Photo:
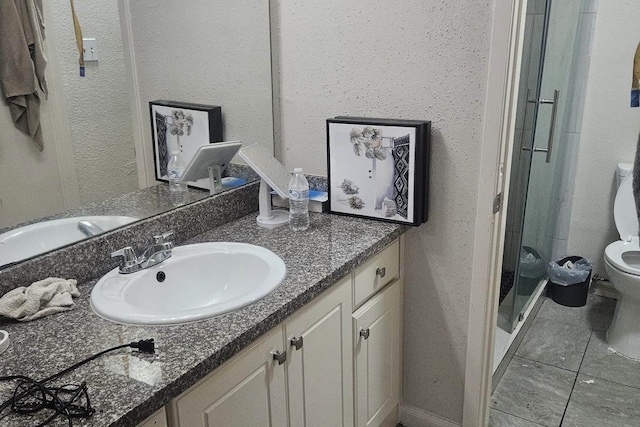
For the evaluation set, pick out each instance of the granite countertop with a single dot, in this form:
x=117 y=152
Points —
x=142 y=203
x=126 y=387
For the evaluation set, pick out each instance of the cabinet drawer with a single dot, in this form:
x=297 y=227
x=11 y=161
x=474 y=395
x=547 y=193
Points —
x=371 y=276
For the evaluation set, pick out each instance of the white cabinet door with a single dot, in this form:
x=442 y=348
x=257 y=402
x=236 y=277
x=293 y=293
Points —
x=158 y=419
x=377 y=356
x=247 y=391
x=319 y=368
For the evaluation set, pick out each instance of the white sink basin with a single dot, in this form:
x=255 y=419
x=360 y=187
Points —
x=200 y=281
x=35 y=239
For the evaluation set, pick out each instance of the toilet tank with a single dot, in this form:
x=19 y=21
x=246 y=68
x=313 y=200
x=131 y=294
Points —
x=622 y=170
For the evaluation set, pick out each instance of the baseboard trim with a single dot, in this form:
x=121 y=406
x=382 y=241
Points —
x=604 y=289
x=410 y=416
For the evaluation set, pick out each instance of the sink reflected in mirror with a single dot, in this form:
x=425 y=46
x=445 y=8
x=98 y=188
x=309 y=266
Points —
x=198 y=282
x=31 y=240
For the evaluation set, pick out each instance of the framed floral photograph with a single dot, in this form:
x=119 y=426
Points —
x=379 y=168
x=185 y=127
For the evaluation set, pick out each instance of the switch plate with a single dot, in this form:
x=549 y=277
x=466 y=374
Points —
x=90 y=49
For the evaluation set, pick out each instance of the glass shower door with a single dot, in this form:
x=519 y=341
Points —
x=540 y=149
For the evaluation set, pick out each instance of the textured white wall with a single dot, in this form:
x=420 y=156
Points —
x=415 y=60
x=31 y=182
x=610 y=129
x=98 y=104
x=208 y=52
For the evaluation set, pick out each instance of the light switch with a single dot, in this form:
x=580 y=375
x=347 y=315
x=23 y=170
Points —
x=90 y=49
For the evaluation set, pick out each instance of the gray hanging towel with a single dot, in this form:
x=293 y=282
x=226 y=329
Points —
x=635 y=83
x=22 y=63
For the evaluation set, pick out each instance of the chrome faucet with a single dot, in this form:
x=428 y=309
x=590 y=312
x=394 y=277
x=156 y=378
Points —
x=89 y=228
x=153 y=254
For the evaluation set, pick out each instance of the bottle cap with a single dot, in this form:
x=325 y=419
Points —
x=297 y=170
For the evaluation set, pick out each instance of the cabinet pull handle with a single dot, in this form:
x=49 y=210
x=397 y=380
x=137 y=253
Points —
x=364 y=333
x=281 y=357
x=297 y=342
x=381 y=271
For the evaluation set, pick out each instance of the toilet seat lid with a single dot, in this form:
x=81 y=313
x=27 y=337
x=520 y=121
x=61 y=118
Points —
x=624 y=256
x=624 y=209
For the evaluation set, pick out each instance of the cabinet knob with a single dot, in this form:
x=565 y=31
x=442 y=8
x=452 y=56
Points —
x=281 y=357
x=381 y=271
x=297 y=342
x=364 y=333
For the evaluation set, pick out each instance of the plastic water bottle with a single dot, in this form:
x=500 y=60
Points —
x=298 y=201
x=177 y=188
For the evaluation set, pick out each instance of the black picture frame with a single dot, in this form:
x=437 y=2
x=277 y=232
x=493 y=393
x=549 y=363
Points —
x=395 y=188
x=198 y=124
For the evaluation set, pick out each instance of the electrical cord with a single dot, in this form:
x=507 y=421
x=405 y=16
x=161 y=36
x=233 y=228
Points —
x=70 y=401
x=31 y=396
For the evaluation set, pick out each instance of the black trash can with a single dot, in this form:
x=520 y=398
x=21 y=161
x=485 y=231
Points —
x=574 y=295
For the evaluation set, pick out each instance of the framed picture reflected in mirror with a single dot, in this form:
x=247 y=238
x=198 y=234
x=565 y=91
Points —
x=185 y=127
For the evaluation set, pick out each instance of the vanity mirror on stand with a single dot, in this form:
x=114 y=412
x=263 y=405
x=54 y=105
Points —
x=209 y=162
x=272 y=175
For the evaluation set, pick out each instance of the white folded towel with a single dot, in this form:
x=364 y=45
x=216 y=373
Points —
x=40 y=299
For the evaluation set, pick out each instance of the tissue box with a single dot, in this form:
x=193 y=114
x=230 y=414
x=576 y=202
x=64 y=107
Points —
x=318 y=201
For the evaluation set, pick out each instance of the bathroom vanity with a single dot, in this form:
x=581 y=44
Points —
x=324 y=348
x=336 y=357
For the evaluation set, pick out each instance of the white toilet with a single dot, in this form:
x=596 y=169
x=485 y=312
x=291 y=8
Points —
x=622 y=262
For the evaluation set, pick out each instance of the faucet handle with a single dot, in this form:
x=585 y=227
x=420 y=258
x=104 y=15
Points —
x=128 y=255
x=162 y=238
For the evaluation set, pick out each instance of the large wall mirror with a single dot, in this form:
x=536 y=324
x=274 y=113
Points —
x=98 y=154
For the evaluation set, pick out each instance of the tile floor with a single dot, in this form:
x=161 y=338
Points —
x=564 y=373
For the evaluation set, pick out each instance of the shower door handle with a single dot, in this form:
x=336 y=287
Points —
x=524 y=120
x=552 y=125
